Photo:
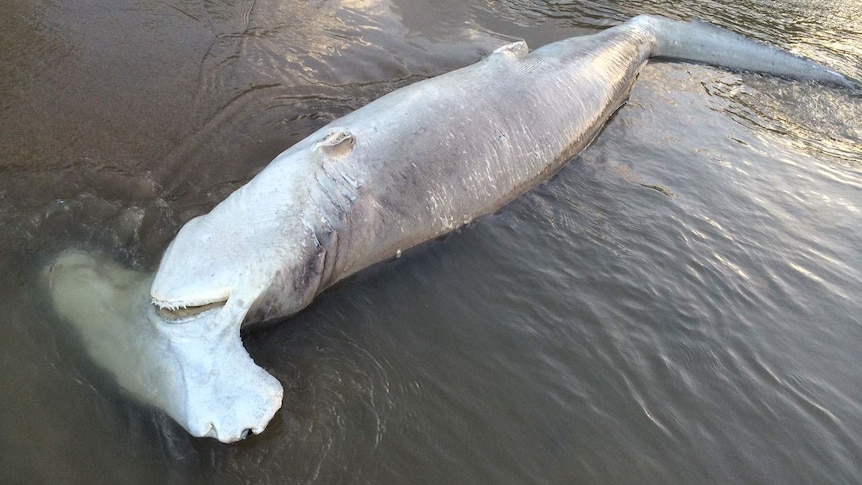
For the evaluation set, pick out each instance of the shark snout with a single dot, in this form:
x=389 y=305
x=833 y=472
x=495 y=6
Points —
x=234 y=407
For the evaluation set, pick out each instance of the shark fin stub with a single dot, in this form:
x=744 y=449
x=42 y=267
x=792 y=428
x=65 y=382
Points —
x=515 y=49
x=337 y=143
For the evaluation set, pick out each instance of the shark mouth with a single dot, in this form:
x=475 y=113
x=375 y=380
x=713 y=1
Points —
x=172 y=311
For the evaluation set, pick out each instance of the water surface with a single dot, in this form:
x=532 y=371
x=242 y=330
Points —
x=680 y=304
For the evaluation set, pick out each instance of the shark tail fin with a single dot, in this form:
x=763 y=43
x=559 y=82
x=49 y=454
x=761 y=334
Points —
x=705 y=43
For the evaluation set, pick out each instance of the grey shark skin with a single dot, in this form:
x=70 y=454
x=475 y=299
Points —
x=408 y=167
x=425 y=159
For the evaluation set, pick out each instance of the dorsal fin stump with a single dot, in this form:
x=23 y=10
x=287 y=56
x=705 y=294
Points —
x=515 y=49
x=337 y=143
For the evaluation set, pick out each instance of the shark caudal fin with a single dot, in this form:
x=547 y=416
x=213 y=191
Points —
x=705 y=43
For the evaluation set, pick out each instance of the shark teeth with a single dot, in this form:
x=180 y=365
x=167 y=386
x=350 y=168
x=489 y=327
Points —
x=178 y=310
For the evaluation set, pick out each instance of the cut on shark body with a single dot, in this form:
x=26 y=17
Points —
x=407 y=168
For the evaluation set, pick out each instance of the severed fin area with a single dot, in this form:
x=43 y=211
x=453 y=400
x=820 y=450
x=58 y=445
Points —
x=514 y=49
x=338 y=142
x=197 y=371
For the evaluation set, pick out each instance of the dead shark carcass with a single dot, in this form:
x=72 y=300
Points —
x=408 y=167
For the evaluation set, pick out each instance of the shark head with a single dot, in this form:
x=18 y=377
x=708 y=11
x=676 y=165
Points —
x=173 y=340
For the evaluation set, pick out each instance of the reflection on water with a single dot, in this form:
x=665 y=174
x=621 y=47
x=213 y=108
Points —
x=596 y=330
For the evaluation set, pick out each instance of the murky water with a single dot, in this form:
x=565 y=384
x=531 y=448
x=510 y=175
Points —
x=679 y=305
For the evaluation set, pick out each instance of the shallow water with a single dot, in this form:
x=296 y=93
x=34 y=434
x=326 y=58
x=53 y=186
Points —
x=680 y=304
